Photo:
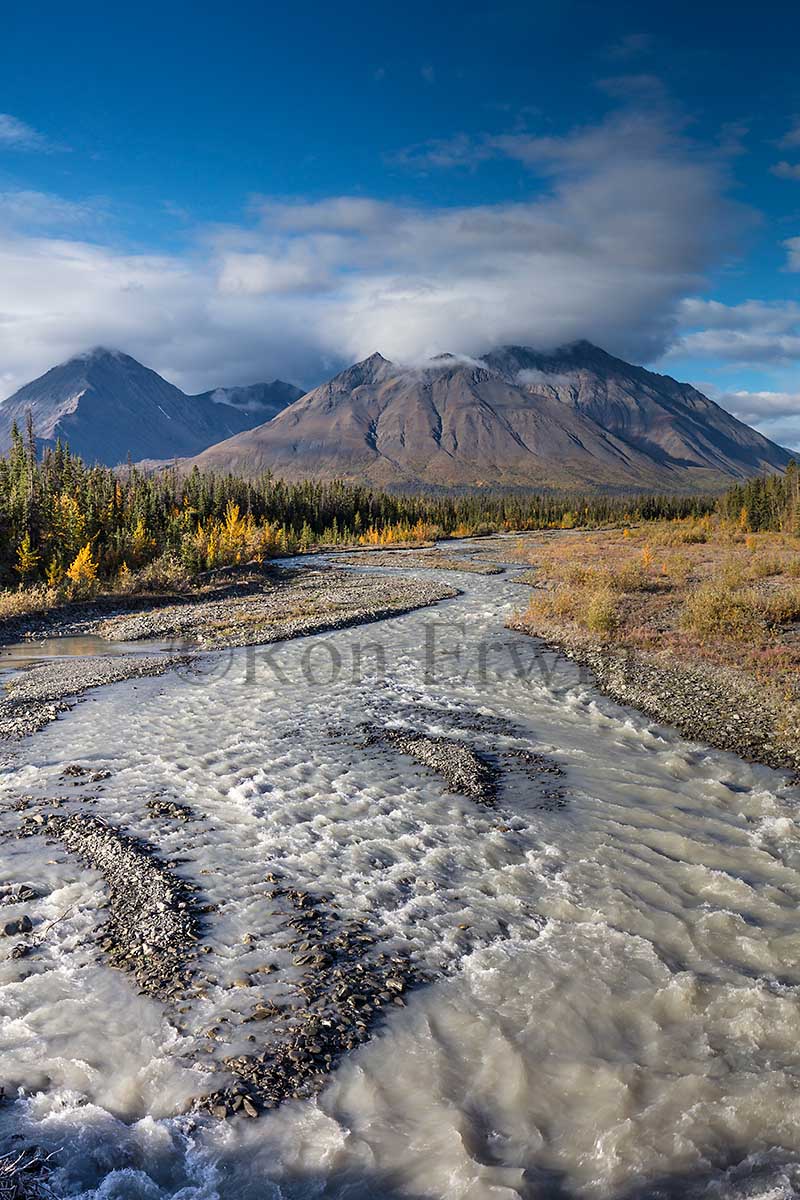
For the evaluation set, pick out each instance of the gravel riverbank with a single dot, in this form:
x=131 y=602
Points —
x=300 y=602
x=706 y=703
x=428 y=560
x=270 y=607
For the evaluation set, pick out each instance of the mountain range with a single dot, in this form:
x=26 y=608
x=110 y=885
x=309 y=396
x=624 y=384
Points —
x=575 y=417
x=108 y=407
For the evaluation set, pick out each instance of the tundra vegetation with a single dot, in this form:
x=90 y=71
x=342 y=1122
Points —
x=721 y=588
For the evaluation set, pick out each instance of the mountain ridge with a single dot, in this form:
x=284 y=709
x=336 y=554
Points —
x=109 y=407
x=516 y=417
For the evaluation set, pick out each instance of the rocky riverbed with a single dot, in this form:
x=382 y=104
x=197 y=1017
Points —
x=153 y=925
x=254 y=610
x=465 y=926
x=346 y=985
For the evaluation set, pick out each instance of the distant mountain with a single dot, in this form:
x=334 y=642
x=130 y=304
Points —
x=107 y=406
x=575 y=417
x=263 y=400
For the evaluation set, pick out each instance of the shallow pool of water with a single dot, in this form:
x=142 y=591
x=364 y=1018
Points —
x=24 y=654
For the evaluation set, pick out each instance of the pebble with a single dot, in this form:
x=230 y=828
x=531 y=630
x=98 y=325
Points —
x=344 y=989
x=152 y=928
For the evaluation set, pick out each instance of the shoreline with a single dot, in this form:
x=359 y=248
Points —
x=713 y=705
x=297 y=604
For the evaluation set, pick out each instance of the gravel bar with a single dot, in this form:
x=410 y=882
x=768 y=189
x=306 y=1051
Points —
x=37 y=695
x=345 y=988
x=463 y=769
x=153 y=928
x=310 y=601
x=428 y=561
x=278 y=606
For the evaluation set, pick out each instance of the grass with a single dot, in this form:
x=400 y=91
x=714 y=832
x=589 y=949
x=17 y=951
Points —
x=693 y=589
x=716 y=611
x=27 y=602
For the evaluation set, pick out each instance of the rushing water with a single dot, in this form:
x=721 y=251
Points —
x=614 y=1009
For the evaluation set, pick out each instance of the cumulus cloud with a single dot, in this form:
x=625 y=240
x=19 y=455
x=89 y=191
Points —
x=256 y=274
x=793 y=251
x=786 y=170
x=59 y=296
x=754 y=333
x=645 y=133
x=761 y=406
x=775 y=414
x=622 y=223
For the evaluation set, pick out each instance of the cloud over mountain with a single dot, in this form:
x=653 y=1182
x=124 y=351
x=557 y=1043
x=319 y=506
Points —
x=620 y=223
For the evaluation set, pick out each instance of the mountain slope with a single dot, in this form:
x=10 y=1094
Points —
x=574 y=418
x=108 y=406
x=669 y=421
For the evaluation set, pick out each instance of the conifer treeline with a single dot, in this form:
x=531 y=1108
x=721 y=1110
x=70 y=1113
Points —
x=60 y=519
x=770 y=503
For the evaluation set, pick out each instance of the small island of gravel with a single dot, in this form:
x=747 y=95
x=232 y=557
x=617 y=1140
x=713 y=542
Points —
x=254 y=606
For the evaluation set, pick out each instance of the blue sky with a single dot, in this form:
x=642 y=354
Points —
x=244 y=191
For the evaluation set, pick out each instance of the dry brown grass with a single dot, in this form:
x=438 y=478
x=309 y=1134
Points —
x=26 y=602
x=165 y=574
x=696 y=589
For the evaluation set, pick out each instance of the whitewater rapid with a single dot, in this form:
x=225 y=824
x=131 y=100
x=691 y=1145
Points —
x=614 y=964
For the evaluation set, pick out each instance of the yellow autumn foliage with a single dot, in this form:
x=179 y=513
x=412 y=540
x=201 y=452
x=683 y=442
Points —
x=83 y=569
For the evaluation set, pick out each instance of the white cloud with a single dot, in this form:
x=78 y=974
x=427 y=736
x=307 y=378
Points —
x=625 y=221
x=337 y=215
x=23 y=208
x=775 y=414
x=760 y=406
x=778 y=316
x=786 y=170
x=628 y=135
x=59 y=296
x=793 y=247
x=791 y=138
x=755 y=332
x=546 y=378
x=19 y=136
x=250 y=274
